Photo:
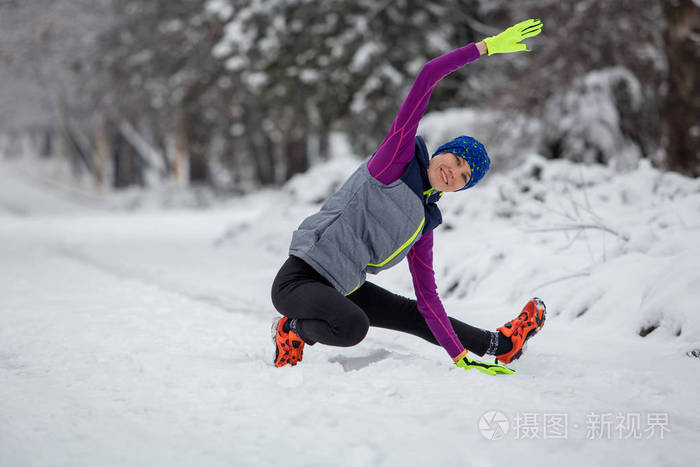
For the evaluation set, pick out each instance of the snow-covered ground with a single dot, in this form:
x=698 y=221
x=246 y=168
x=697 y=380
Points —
x=140 y=337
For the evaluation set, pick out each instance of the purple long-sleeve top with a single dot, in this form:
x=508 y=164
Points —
x=389 y=163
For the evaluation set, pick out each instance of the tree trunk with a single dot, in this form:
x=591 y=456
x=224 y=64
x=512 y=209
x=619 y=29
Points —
x=260 y=147
x=296 y=154
x=683 y=100
x=324 y=145
x=198 y=138
x=46 y=142
x=102 y=146
x=180 y=160
x=128 y=165
x=81 y=155
x=122 y=163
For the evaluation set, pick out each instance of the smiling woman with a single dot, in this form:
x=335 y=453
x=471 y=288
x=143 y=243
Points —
x=385 y=212
x=458 y=164
x=448 y=172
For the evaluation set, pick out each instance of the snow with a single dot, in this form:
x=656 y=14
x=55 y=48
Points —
x=220 y=8
x=139 y=335
x=363 y=55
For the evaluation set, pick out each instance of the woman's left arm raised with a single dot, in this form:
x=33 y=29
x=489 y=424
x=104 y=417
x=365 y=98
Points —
x=396 y=151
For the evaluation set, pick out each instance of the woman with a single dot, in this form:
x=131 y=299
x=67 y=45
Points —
x=386 y=211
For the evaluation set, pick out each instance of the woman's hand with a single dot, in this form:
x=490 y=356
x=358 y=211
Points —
x=488 y=368
x=509 y=40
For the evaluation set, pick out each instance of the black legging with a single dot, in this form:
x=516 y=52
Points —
x=326 y=316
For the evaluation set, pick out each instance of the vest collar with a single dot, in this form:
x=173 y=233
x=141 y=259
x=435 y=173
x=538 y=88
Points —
x=423 y=159
x=416 y=177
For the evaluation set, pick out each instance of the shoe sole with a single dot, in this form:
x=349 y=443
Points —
x=540 y=324
x=273 y=335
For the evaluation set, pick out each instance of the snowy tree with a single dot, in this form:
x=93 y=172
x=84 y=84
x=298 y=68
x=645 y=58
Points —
x=44 y=48
x=314 y=66
x=595 y=80
x=682 y=109
x=246 y=92
x=157 y=57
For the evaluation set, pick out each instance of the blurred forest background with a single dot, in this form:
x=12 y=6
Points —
x=238 y=94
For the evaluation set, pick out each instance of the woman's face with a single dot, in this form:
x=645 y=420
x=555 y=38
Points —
x=448 y=172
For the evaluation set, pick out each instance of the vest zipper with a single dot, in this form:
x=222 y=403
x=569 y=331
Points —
x=401 y=248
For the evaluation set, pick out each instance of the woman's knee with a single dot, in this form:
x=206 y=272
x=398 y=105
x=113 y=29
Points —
x=352 y=329
x=282 y=287
x=276 y=293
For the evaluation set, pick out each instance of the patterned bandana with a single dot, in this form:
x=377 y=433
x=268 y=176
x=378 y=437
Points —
x=471 y=151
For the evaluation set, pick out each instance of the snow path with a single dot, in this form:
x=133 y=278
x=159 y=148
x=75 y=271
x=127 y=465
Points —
x=142 y=339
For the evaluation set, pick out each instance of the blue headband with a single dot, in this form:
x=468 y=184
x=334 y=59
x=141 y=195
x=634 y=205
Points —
x=471 y=151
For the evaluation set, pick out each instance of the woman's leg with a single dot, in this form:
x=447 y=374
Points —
x=323 y=314
x=390 y=311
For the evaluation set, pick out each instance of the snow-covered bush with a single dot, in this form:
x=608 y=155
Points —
x=618 y=251
x=583 y=123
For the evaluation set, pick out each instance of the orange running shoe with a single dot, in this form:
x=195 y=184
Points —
x=296 y=352
x=527 y=324
x=289 y=348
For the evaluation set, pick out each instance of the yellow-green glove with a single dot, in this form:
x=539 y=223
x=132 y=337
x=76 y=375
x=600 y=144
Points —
x=488 y=368
x=509 y=40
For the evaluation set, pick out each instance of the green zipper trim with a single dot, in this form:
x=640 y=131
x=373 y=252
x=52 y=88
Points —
x=430 y=191
x=408 y=242
x=357 y=287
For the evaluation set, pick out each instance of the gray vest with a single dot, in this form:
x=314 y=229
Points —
x=364 y=227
